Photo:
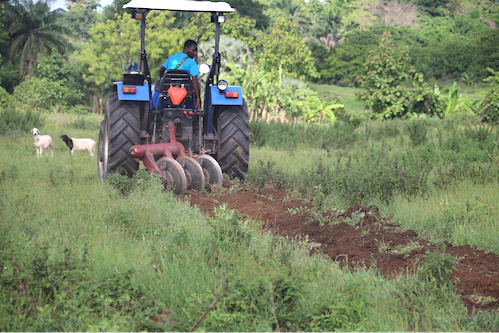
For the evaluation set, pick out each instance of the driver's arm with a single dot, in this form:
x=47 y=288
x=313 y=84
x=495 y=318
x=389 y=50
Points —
x=161 y=71
x=195 y=86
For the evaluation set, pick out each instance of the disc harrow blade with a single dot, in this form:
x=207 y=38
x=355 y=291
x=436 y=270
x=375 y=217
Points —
x=193 y=173
x=211 y=169
x=173 y=175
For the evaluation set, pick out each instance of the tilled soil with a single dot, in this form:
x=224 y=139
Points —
x=368 y=239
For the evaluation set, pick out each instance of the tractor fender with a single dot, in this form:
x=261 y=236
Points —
x=141 y=93
x=219 y=98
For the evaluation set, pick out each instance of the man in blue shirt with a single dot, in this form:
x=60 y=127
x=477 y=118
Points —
x=185 y=60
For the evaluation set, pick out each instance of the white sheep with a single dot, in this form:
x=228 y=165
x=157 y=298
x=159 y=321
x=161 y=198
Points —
x=79 y=144
x=42 y=142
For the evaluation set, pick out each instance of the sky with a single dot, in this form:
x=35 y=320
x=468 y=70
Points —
x=61 y=4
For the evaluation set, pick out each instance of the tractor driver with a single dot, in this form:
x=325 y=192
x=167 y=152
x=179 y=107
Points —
x=185 y=60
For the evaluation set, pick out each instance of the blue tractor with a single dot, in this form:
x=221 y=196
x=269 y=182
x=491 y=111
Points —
x=159 y=123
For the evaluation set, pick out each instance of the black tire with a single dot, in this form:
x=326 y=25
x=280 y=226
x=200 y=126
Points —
x=119 y=131
x=233 y=145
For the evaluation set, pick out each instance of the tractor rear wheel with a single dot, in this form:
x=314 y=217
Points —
x=233 y=145
x=119 y=131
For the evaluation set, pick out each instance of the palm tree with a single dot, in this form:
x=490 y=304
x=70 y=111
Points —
x=33 y=30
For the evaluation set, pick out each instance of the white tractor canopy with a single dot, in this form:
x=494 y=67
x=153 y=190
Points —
x=181 y=5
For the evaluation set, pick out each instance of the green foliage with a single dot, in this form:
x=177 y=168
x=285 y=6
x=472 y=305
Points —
x=425 y=101
x=4 y=98
x=68 y=76
x=384 y=90
x=345 y=62
x=105 y=52
x=290 y=54
x=56 y=292
x=347 y=314
x=79 y=19
x=37 y=94
x=287 y=136
x=451 y=55
x=242 y=28
x=125 y=185
x=418 y=132
x=458 y=107
x=264 y=173
x=437 y=266
x=116 y=265
x=315 y=110
x=488 y=109
x=273 y=96
x=471 y=212
x=232 y=50
x=12 y=120
x=434 y=8
x=252 y=9
x=227 y=229
x=386 y=70
x=34 y=30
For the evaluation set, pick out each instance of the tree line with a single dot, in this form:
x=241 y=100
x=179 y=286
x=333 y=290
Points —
x=66 y=59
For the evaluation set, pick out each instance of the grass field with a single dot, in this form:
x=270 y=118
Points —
x=345 y=95
x=79 y=254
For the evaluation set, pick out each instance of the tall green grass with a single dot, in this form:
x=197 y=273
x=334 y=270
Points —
x=79 y=254
x=397 y=165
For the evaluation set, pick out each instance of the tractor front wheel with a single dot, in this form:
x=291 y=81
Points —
x=233 y=145
x=119 y=131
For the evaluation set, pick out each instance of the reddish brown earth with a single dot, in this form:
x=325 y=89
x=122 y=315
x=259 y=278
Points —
x=476 y=272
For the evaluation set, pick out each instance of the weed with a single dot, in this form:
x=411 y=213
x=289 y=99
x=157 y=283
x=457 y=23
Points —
x=407 y=249
x=265 y=173
x=228 y=230
x=356 y=218
x=384 y=247
x=296 y=210
x=477 y=298
x=83 y=123
x=418 y=132
x=437 y=266
x=139 y=182
x=347 y=313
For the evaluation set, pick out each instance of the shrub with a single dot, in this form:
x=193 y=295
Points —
x=417 y=130
x=4 y=98
x=488 y=109
x=12 y=120
x=36 y=94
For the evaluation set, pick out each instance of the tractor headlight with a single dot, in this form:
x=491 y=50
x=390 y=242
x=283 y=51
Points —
x=222 y=85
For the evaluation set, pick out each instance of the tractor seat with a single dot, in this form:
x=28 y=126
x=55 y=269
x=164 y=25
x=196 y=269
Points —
x=175 y=78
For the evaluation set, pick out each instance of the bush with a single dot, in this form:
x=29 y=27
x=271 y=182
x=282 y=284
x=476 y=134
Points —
x=417 y=130
x=488 y=109
x=11 y=120
x=36 y=94
x=4 y=98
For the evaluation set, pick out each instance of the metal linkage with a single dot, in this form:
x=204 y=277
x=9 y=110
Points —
x=149 y=153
